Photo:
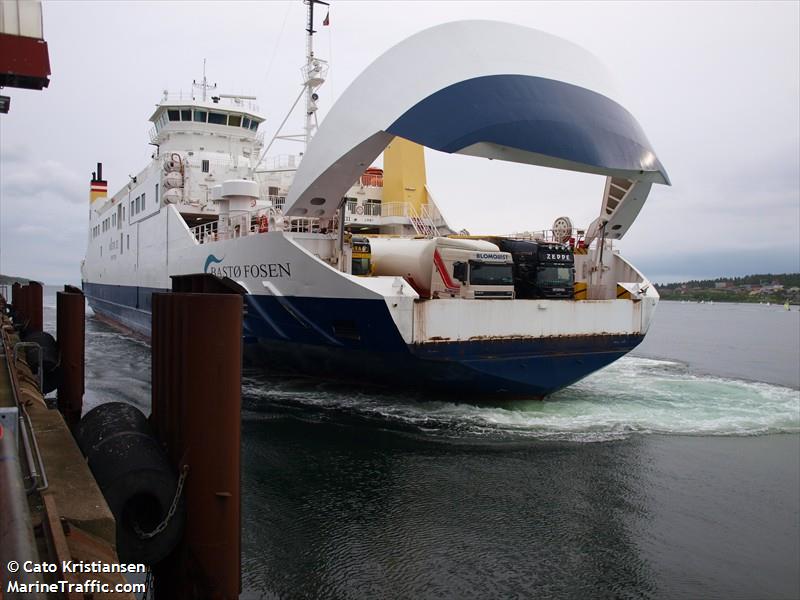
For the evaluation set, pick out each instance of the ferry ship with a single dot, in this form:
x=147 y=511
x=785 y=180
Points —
x=351 y=271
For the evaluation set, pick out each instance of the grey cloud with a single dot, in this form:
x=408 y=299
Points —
x=715 y=85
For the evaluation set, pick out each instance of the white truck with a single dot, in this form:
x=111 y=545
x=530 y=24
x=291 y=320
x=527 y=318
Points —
x=445 y=267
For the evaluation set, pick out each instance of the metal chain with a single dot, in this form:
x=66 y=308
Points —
x=163 y=525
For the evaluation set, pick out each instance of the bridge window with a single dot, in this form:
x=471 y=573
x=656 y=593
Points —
x=200 y=116
x=246 y=123
x=174 y=115
x=186 y=114
x=217 y=118
x=204 y=166
x=254 y=124
x=142 y=201
x=234 y=120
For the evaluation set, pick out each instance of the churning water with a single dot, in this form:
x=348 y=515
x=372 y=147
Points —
x=634 y=395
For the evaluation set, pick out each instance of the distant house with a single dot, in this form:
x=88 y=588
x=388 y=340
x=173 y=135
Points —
x=771 y=289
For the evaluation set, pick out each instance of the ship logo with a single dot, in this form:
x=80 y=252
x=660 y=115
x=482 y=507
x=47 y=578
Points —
x=212 y=260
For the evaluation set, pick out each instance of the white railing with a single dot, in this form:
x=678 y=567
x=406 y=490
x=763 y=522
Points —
x=206 y=232
x=225 y=102
x=574 y=238
x=394 y=209
x=281 y=162
x=254 y=222
x=372 y=209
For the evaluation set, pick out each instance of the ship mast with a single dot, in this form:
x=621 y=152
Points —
x=204 y=85
x=314 y=71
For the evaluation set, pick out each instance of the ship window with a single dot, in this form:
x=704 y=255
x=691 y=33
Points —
x=132 y=213
x=200 y=116
x=217 y=118
x=157 y=198
x=138 y=200
x=235 y=120
x=174 y=115
x=113 y=220
x=253 y=124
x=204 y=166
x=246 y=123
x=186 y=114
x=143 y=201
x=128 y=241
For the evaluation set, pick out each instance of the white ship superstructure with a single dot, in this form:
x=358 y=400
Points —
x=350 y=270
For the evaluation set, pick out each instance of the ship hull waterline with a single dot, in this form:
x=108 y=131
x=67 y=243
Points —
x=369 y=351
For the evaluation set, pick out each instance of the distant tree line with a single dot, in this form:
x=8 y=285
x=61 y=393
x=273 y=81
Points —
x=764 y=287
x=787 y=280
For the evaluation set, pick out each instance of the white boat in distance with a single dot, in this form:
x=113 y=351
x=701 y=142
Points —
x=351 y=271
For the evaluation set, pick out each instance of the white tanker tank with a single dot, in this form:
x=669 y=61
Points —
x=441 y=267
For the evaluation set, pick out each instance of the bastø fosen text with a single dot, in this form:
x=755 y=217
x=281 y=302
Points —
x=266 y=270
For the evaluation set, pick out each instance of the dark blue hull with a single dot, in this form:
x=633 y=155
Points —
x=357 y=340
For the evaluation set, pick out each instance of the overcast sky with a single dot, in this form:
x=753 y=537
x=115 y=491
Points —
x=715 y=86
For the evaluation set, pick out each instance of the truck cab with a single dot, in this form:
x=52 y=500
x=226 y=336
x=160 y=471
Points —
x=482 y=274
x=541 y=269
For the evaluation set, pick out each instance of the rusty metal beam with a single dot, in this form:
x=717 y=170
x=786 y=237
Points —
x=34 y=306
x=71 y=332
x=196 y=402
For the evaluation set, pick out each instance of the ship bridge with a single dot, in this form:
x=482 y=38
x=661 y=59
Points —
x=228 y=116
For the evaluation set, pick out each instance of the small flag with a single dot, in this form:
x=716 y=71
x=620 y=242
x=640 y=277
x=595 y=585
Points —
x=327 y=20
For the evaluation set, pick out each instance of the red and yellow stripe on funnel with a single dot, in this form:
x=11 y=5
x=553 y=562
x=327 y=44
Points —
x=98 y=189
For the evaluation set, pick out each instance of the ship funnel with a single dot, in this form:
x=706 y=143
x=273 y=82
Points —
x=98 y=187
